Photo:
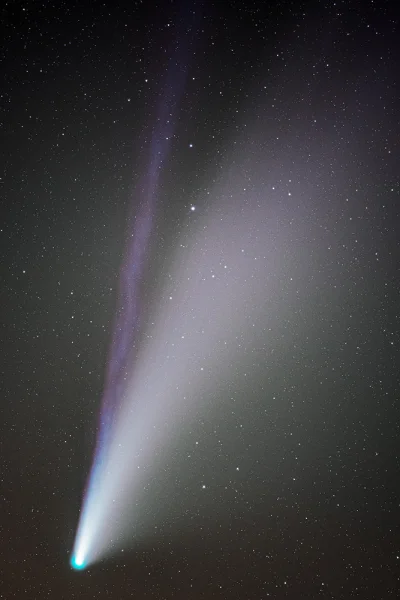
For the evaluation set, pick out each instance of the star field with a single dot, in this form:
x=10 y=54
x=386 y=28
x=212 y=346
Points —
x=257 y=448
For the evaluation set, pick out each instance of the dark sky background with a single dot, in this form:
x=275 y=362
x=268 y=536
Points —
x=315 y=511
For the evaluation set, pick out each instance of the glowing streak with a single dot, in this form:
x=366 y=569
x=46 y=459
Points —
x=128 y=310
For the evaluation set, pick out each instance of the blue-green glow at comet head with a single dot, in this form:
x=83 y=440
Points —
x=77 y=563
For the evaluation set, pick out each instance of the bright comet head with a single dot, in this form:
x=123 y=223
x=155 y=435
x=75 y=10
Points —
x=77 y=563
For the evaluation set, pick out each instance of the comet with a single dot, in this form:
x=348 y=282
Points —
x=128 y=313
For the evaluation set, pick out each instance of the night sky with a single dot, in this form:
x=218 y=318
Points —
x=274 y=220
